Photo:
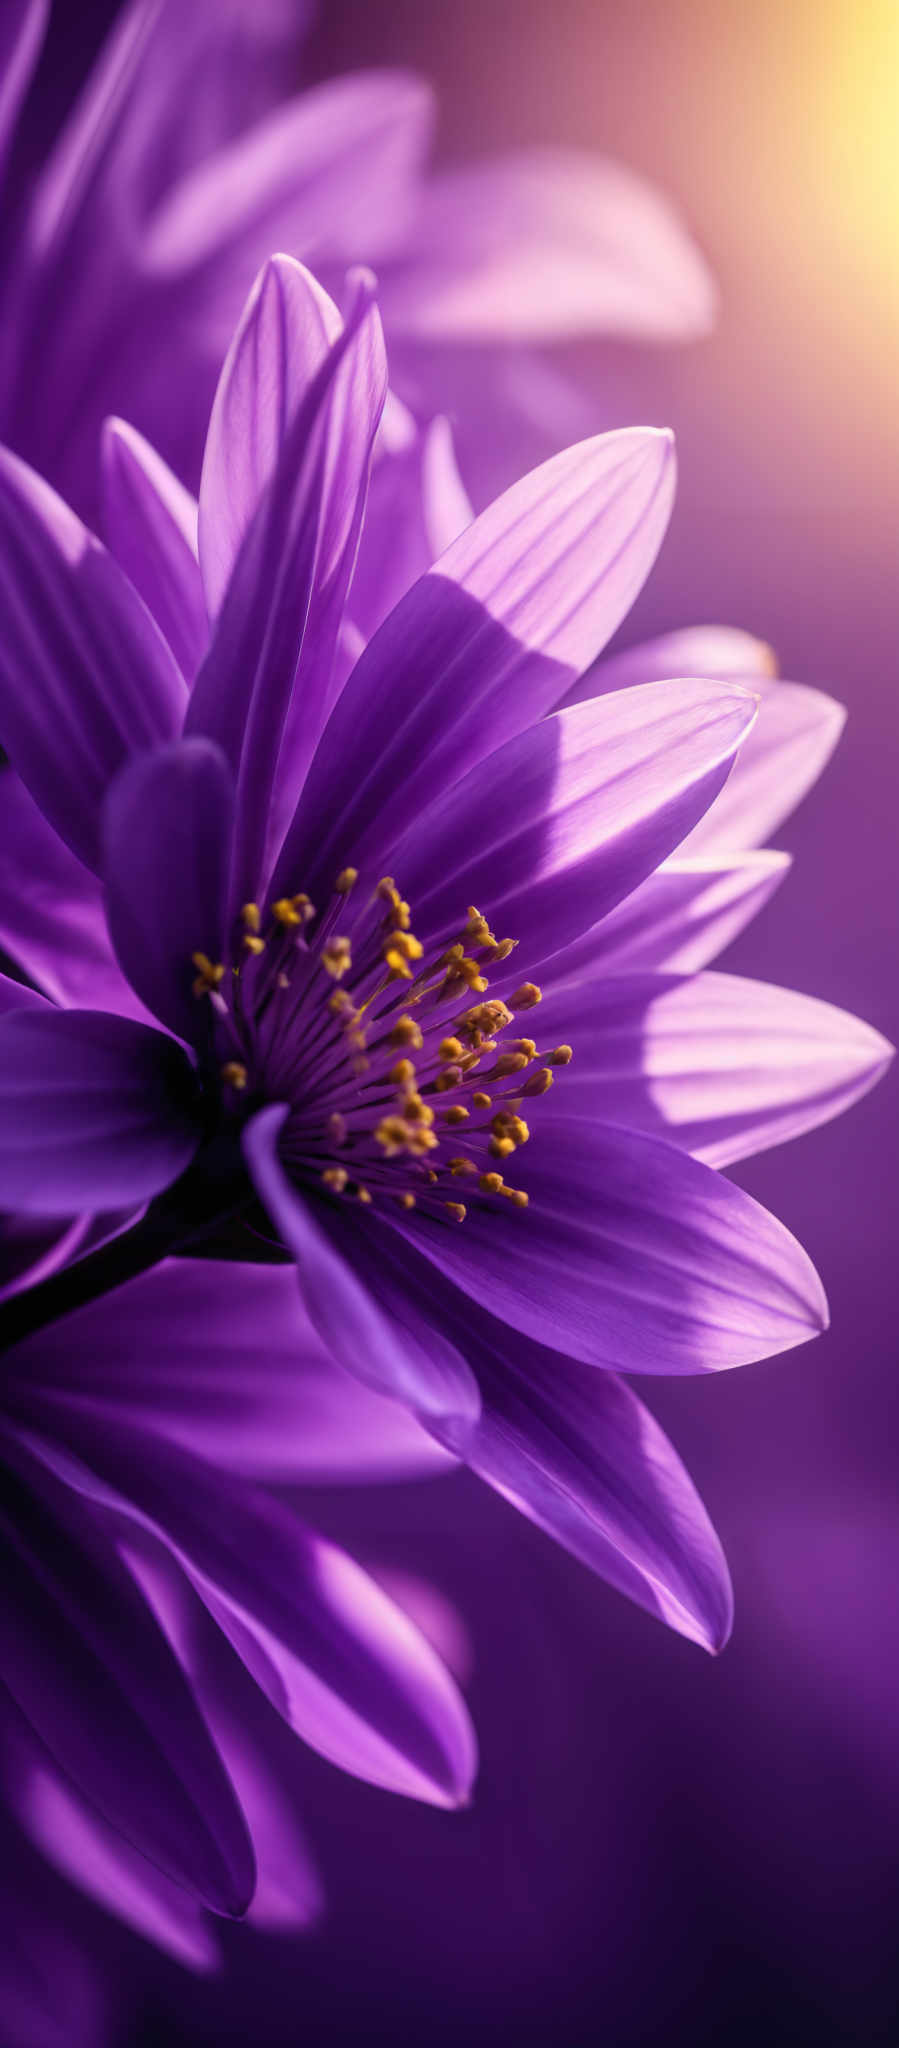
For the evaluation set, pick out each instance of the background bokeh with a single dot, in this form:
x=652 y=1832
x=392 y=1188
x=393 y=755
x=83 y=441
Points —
x=665 y=1849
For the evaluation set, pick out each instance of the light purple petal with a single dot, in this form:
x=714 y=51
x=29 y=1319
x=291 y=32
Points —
x=268 y=682
x=550 y=832
x=287 y=327
x=546 y=244
x=336 y=1658
x=719 y=653
x=796 y=733
x=92 y=1672
x=484 y=645
x=330 y=176
x=150 y=522
x=86 y=679
x=417 y=506
x=680 y=918
x=578 y=1454
x=167 y=845
x=96 y=1112
x=631 y=1256
x=22 y=31
x=220 y=1356
x=52 y=915
x=391 y=1357
x=721 y=1066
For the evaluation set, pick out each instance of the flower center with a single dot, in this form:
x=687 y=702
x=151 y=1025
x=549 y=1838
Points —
x=399 y=1087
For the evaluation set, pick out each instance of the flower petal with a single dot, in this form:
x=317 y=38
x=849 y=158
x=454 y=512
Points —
x=220 y=1356
x=96 y=1112
x=796 y=733
x=579 y=1454
x=631 y=1256
x=417 y=506
x=86 y=679
x=337 y=1659
x=150 y=522
x=483 y=645
x=52 y=915
x=167 y=843
x=267 y=684
x=721 y=1066
x=721 y=654
x=287 y=327
x=91 y=1671
x=679 y=918
x=22 y=31
x=548 y=834
x=545 y=244
x=385 y=1350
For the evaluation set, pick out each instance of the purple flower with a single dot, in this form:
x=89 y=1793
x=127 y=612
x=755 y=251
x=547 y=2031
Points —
x=177 y=173
x=490 y=1165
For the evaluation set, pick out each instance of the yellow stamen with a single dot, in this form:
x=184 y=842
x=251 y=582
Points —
x=539 y=1082
x=516 y=1196
x=480 y=1100
x=403 y=1072
x=456 y=1114
x=210 y=974
x=451 y=1049
x=346 y=880
x=251 y=916
x=335 y=1178
x=456 y=1210
x=407 y=1032
x=492 y=1183
x=253 y=945
x=560 y=1056
x=457 y=1166
x=234 y=1073
x=337 y=957
x=527 y=996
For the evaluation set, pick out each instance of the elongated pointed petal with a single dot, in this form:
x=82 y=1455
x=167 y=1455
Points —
x=167 y=842
x=721 y=654
x=721 y=1066
x=96 y=1112
x=221 y=1357
x=150 y=522
x=578 y=1453
x=550 y=833
x=796 y=733
x=389 y=1355
x=680 y=918
x=417 y=507
x=86 y=679
x=336 y=1658
x=52 y=914
x=91 y=1671
x=268 y=682
x=287 y=327
x=631 y=1256
x=484 y=645
x=546 y=244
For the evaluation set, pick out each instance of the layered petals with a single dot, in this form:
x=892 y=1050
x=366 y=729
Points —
x=718 y=1065
x=266 y=687
x=570 y=816
x=630 y=1255
x=96 y=1111
x=150 y=522
x=483 y=645
x=167 y=846
x=52 y=913
x=86 y=679
x=21 y=35
x=125 y=1725
x=390 y=1351
x=796 y=733
x=680 y=918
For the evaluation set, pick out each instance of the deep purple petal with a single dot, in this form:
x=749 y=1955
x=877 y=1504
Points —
x=543 y=245
x=221 y=1357
x=718 y=1065
x=483 y=645
x=167 y=843
x=679 y=919
x=552 y=831
x=336 y=1658
x=22 y=30
x=96 y=1112
x=268 y=682
x=86 y=679
x=390 y=1356
x=52 y=914
x=90 y=1669
x=150 y=523
x=631 y=1256
x=580 y=1455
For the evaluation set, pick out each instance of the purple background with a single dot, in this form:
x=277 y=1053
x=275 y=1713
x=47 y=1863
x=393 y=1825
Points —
x=665 y=1849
